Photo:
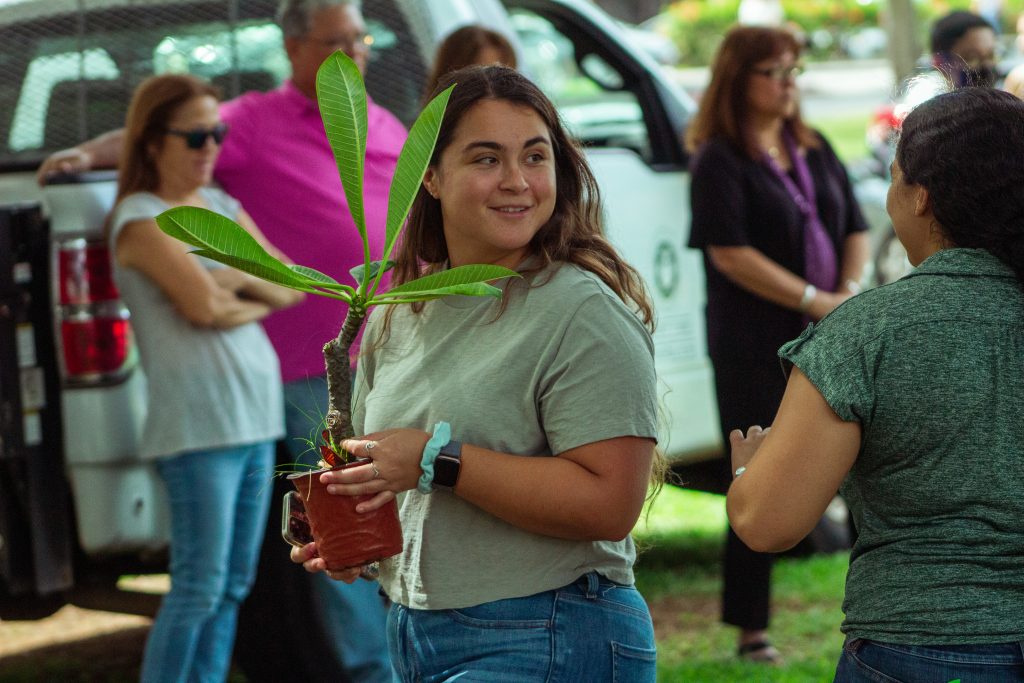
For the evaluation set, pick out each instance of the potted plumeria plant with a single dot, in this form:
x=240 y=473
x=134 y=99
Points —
x=344 y=538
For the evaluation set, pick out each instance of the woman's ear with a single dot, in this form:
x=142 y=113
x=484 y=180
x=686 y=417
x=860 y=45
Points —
x=430 y=182
x=922 y=201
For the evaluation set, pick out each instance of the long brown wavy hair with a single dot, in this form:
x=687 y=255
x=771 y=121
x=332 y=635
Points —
x=574 y=233
x=153 y=105
x=723 y=111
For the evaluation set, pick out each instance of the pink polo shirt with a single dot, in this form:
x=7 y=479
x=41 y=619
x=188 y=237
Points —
x=277 y=162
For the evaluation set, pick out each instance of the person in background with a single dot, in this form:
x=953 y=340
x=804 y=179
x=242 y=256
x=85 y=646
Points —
x=517 y=563
x=278 y=163
x=909 y=397
x=214 y=388
x=467 y=46
x=784 y=244
x=963 y=53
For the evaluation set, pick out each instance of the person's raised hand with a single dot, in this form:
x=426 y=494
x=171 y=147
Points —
x=745 y=446
x=71 y=160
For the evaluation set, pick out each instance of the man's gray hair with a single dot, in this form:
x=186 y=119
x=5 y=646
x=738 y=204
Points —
x=293 y=16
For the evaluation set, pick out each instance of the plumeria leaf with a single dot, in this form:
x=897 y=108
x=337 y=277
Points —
x=217 y=234
x=322 y=280
x=375 y=267
x=275 y=276
x=470 y=289
x=462 y=275
x=412 y=165
x=341 y=95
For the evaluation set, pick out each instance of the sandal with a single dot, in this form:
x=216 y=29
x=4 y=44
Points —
x=760 y=652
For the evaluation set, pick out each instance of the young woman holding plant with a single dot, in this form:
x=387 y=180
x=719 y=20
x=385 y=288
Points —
x=909 y=396
x=523 y=431
x=213 y=381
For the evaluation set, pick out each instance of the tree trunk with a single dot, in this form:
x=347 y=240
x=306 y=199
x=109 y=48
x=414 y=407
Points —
x=339 y=376
x=901 y=26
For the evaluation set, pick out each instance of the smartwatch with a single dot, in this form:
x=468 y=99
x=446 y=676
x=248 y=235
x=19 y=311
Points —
x=447 y=466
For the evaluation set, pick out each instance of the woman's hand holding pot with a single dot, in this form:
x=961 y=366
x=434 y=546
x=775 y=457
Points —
x=311 y=561
x=395 y=466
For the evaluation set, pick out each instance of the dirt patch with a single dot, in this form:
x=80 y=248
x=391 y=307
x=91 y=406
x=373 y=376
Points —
x=674 y=613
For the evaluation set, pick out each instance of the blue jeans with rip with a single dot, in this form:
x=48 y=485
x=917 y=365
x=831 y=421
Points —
x=219 y=500
x=868 y=660
x=355 y=614
x=590 y=630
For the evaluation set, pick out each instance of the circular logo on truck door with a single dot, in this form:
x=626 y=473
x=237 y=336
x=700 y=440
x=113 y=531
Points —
x=666 y=269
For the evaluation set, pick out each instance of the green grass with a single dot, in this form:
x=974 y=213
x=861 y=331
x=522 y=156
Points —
x=845 y=134
x=679 y=574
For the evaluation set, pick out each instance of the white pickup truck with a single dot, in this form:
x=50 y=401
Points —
x=77 y=508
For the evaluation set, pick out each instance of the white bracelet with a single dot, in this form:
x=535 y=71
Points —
x=853 y=286
x=810 y=291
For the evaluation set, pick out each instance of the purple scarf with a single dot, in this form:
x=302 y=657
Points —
x=820 y=263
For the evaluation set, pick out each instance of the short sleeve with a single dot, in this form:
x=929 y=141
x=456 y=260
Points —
x=135 y=207
x=718 y=198
x=601 y=381
x=838 y=364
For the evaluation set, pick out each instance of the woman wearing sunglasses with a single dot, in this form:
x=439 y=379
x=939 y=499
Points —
x=784 y=244
x=214 y=389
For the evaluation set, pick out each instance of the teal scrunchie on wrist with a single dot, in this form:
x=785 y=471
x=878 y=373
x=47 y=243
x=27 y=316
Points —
x=442 y=435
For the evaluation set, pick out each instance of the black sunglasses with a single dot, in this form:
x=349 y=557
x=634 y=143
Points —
x=195 y=139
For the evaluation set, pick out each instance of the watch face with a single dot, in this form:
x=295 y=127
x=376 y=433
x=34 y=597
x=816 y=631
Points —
x=446 y=471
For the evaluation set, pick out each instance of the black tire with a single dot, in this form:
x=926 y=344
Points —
x=29 y=607
x=281 y=635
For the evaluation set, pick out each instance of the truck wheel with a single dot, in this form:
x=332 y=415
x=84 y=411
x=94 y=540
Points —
x=281 y=632
x=29 y=607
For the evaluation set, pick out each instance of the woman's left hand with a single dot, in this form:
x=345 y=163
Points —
x=395 y=466
x=745 y=447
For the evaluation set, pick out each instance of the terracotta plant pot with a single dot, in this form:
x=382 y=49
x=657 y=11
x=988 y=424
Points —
x=346 y=538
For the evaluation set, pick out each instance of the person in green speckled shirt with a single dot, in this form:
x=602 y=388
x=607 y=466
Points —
x=910 y=396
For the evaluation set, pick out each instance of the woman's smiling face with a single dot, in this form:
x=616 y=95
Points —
x=495 y=182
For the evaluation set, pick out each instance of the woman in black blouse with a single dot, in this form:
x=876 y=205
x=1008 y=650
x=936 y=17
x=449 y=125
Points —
x=784 y=244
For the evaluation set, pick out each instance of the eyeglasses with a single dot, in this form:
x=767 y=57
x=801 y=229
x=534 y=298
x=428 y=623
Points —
x=196 y=139
x=780 y=73
x=347 y=44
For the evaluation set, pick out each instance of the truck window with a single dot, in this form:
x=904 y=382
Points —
x=67 y=70
x=589 y=92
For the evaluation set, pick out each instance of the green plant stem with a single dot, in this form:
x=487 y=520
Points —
x=339 y=376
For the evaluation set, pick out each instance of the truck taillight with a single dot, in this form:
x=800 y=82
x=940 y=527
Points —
x=84 y=273
x=97 y=346
x=96 y=337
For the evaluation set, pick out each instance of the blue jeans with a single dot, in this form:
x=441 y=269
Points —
x=590 y=630
x=219 y=501
x=354 y=614
x=868 y=660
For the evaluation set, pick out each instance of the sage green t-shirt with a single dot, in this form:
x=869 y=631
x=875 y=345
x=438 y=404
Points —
x=565 y=364
x=932 y=366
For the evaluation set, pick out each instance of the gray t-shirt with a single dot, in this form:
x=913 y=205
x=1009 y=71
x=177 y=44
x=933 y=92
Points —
x=565 y=364
x=206 y=388
x=932 y=367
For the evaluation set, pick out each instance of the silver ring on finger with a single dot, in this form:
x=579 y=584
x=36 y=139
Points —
x=376 y=472
x=370 y=445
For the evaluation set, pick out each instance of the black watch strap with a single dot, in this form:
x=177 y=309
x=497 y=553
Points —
x=447 y=466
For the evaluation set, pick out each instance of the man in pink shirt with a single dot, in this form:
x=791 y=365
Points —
x=277 y=162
